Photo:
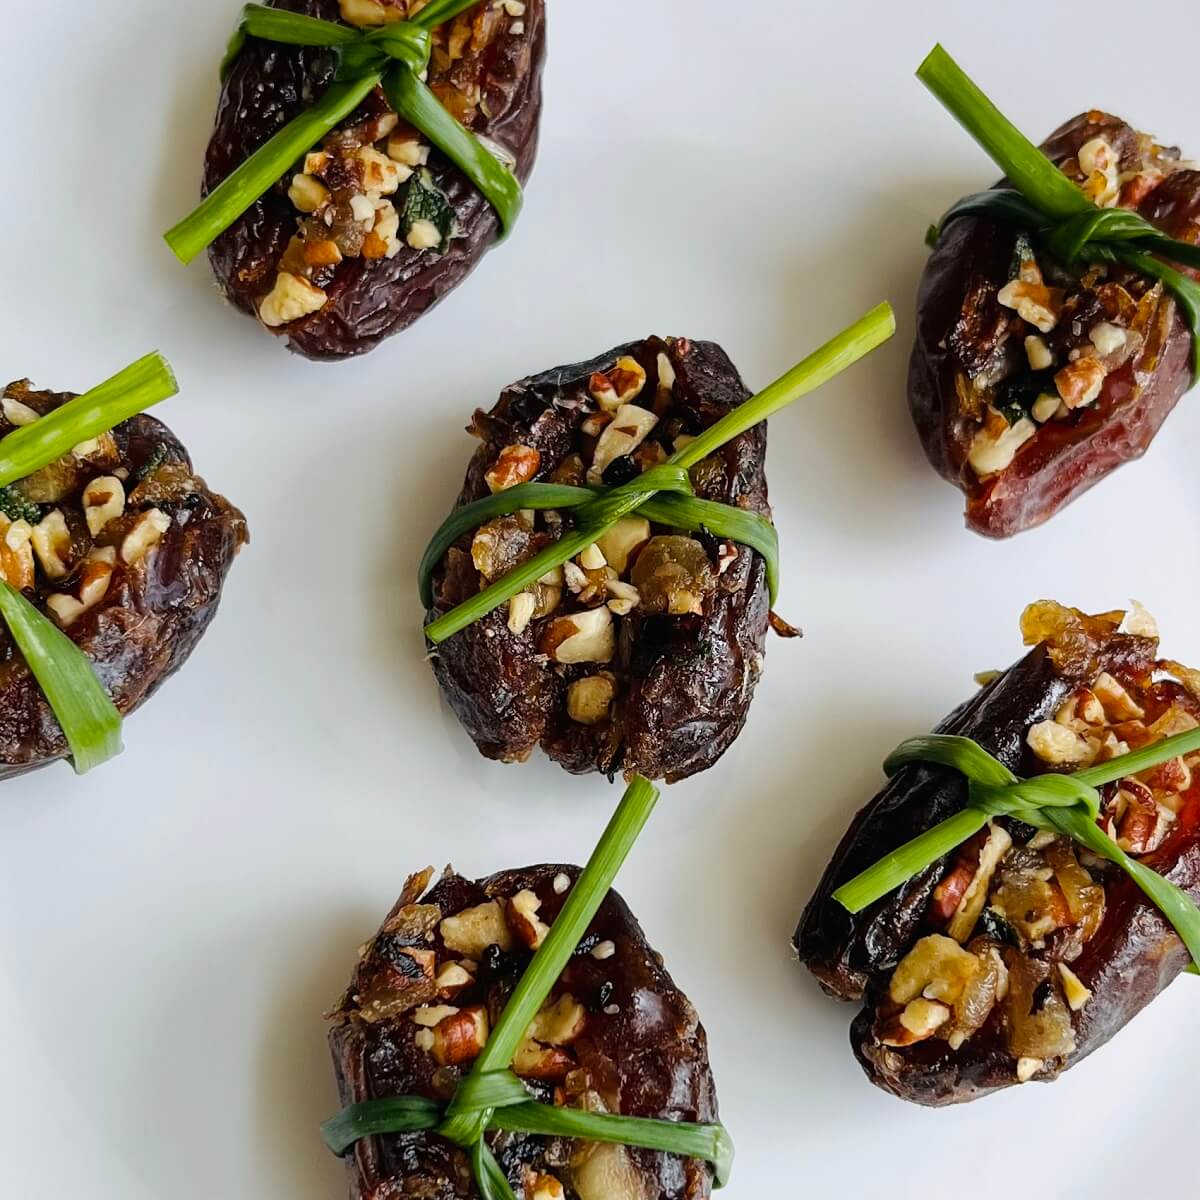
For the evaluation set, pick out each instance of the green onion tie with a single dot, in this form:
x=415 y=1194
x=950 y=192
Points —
x=1048 y=205
x=1065 y=804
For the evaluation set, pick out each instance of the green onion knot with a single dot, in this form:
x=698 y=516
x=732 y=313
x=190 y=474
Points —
x=1063 y=804
x=393 y=57
x=1049 y=206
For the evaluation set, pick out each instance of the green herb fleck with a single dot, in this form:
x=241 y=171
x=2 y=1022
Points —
x=1022 y=253
x=994 y=926
x=16 y=508
x=1015 y=397
x=157 y=457
x=425 y=201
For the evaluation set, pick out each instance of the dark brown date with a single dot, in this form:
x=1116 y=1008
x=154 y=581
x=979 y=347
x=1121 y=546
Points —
x=369 y=298
x=154 y=610
x=683 y=683
x=634 y=1045
x=965 y=336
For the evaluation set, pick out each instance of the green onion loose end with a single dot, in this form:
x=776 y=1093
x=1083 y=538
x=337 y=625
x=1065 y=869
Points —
x=235 y=195
x=403 y=1114
x=1034 y=175
x=89 y=719
x=138 y=387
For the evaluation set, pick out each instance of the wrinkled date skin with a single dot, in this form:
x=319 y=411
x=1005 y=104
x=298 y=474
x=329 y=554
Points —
x=685 y=682
x=369 y=300
x=1134 y=955
x=642 y=1051
x=155 y=610
x=1066 y=458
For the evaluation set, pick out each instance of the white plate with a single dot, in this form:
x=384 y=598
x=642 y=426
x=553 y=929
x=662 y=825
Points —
x=172 y=927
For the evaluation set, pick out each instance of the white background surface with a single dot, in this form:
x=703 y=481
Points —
x=172 y=927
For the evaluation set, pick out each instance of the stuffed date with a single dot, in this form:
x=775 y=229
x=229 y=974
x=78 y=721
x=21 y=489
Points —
x=124 y=548
x=1022 y=952
x=614 y=1035
x=1030 y=380
x=374 y=225
x=641 y=653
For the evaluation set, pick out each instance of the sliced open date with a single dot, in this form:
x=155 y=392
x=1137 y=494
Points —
x=1021 y=953
x=642 y=654
x=373 y=227
x=615 y=1035
x=1030 y=381
x=125 y=548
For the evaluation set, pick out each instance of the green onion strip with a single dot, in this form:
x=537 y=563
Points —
x=662 y=493
x=393 y=56
x=490 y=1096
x=674 y=509
x=1066 y=804
x=1049 y=205
x=139 y=386
x=89 y=719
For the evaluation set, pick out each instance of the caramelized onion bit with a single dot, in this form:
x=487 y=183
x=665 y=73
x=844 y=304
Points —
x=673 y=575
x=1038 y=1018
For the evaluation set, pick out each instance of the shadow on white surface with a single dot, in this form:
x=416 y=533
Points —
x=296 y=1086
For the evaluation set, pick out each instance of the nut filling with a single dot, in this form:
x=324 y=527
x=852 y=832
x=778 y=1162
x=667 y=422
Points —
x=124 y=547
x=1029 y=380
x=614 y=1036
x=642 y=653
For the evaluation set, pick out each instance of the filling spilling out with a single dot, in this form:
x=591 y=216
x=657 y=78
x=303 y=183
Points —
x=68 y=530
x=1036 y=353
x=1018 y=906
x=367 y=192
x=442 y=979
x=575 y=613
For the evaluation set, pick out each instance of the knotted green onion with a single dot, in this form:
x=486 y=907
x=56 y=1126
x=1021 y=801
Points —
x=1066 y=804
x=1049 y=205
x=393 y=55
x=661 y=494
x=492 y=1097
x=674 y=509
x=593 y=519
